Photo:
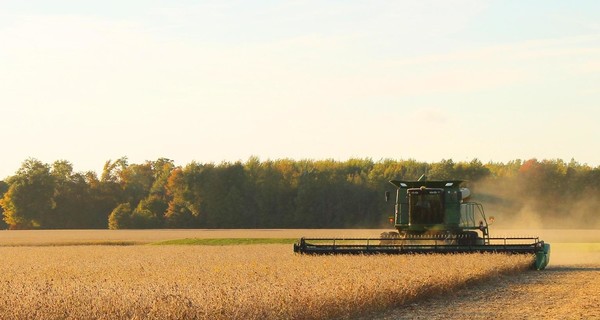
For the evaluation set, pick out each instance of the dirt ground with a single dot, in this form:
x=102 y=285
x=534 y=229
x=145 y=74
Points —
x=559 y=292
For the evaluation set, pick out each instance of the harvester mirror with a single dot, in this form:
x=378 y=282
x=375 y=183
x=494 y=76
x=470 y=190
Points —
x=387 y=196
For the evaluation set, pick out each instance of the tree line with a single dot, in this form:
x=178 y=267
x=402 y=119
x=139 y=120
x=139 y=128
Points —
x=281 y=193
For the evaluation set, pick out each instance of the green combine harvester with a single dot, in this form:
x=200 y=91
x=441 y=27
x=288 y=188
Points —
x=432 y=217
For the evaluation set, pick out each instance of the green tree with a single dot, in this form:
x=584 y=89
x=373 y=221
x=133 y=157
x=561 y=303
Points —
x=102 y=200
x=471 y=171
x=442 y=170
x=28 y=203
x=179 y=215
x=156 y=203
x=72 y=198
x=150 y=212
x=120 y=217
x=112 y=169
x=107 y=193
x=136 y=181
x=279 y=194
x=144 y=219
x=3 y=190
x=270 y=193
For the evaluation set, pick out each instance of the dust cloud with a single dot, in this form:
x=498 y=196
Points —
x=516 y=208
x=568 y=220
x=563 y=256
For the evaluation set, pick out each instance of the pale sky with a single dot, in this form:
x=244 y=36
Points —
x=213 y=81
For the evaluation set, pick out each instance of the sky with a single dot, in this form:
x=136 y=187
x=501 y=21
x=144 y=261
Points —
x=214 y=81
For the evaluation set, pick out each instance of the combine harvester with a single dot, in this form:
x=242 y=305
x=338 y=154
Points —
x=432 y=217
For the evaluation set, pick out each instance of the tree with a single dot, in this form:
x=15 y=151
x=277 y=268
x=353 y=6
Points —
x=103 y=198
x=279 y=194
x=150 y=213
x=29 y=202
x=144 y=219
x=112 y=170
x=471 y=171
x=136 y=181
x=73 y=201
x=270 y=193
x=152 y=209
x=161 y=169
x=3 y=190
x=120 y=217
x=107 y=192
x=442 y=170
x=178 y=215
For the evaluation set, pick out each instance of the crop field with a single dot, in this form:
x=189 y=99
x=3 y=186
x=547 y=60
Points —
x=126 y=275
x=131 y=237
x=223 y=282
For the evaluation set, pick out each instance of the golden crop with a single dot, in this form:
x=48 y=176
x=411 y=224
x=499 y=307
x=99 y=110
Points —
x=226 y=282
x=95 y=237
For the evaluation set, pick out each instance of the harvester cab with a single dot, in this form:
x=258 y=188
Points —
x=437 y=208
x=432 y=217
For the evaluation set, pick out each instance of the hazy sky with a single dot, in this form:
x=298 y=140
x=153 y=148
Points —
x=212 y=81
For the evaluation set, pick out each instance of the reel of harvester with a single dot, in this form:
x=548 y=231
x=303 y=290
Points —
x=432 y=217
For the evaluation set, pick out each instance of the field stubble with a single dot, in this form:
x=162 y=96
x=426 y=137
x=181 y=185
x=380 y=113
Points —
x=230 y=282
